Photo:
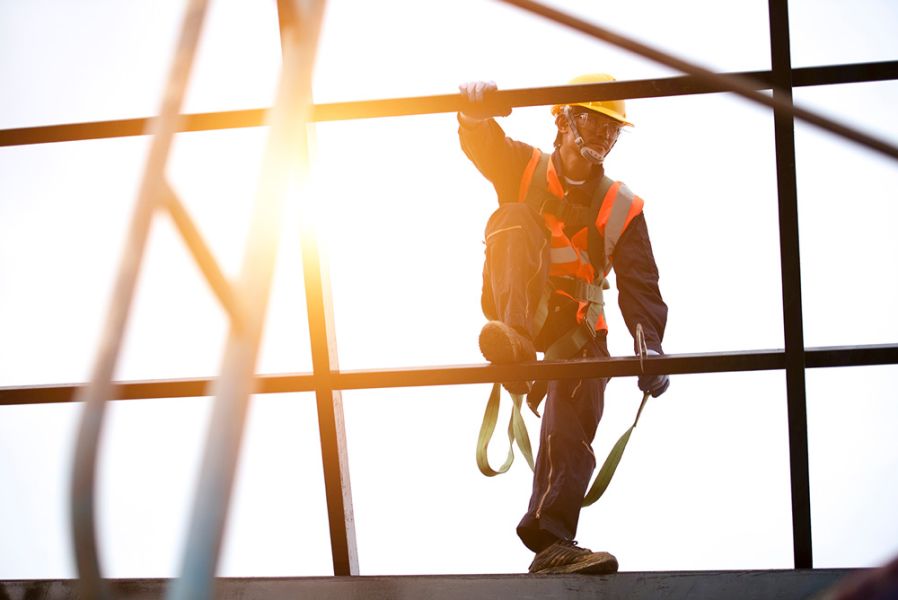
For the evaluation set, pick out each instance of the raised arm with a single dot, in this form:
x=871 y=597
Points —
x=498 y=158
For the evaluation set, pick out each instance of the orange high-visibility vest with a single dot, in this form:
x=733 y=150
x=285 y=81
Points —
x=569 y=255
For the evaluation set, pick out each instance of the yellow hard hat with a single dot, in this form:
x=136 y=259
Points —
x=613 y=108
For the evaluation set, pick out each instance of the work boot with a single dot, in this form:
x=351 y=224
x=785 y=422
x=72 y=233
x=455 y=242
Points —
x=567 y=557
x=502 y=345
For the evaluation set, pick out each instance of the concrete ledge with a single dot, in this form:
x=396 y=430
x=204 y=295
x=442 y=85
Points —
x=748 y=585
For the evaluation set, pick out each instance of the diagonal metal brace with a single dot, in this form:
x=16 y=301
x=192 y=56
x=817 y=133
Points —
x=203 y=256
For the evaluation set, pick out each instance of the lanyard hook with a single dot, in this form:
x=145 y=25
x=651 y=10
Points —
x=641 y=347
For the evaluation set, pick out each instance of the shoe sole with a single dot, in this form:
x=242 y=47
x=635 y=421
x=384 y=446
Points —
x=495 y=345
x=499 y=349
x=598 y=563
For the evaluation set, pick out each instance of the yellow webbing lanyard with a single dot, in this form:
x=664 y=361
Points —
x=517 y=434
x=599 y=486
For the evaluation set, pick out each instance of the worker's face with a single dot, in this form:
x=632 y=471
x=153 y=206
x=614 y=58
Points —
x=598 y=131
x=596 y=128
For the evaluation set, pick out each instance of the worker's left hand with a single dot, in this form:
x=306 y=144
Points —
x=478 y=105
x=654 y=384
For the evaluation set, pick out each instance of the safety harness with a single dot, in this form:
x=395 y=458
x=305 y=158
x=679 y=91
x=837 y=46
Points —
x=517 y=434
x=612 y=208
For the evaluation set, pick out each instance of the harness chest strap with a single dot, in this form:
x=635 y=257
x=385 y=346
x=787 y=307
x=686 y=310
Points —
x=587 y=255
x=542 y=199
x=611 y=210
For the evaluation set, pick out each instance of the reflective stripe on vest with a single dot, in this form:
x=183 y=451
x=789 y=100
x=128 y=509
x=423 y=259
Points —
x=615 y=215
x=570 y=255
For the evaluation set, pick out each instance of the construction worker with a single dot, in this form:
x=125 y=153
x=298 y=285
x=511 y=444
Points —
x=560 y=226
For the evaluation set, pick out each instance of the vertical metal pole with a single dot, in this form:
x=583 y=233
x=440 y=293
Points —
x=790 y=264
x=284 y=153
x=329 y=402
x=94 y=395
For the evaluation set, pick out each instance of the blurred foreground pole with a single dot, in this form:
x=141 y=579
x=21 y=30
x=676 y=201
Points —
x=151 y=195
x=285 y=153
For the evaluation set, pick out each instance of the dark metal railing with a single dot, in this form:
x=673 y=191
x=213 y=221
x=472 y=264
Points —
x=673 y=364
x=449 y=103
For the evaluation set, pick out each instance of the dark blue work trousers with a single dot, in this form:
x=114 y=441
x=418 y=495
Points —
x=514 y=279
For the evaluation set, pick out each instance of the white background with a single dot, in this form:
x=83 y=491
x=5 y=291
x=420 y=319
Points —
x=705 y=481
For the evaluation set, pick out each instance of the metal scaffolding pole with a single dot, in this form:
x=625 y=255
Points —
x=150 y=197
x=670 y=364
x=285 y=150
x=738 y=85
x=245 y=303
x=329 y=403
x=446 y=103
x=790 y=272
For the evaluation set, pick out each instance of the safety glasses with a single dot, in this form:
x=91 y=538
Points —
x=596 y=126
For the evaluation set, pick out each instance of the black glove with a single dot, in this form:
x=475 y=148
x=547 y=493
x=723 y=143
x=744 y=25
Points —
x=654 y=384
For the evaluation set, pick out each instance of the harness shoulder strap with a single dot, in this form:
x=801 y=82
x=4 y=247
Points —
x=595 y=244
x=615 y=215
x=534 y=191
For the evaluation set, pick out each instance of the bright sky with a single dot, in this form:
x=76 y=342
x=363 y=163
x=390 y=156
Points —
x=705 y=481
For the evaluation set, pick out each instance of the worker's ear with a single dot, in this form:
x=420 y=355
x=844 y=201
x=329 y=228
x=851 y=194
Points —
x=563 y=126
x=561 y=123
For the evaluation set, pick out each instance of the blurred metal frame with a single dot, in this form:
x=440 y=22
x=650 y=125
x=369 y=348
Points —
x=285 y=158
x=153 y=194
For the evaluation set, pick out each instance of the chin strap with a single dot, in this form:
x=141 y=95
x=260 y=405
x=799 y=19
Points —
x=585 y=151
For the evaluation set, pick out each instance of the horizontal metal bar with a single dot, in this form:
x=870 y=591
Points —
x=746 y=88
x=571 y=369
x=851 y=356
x=845 y=73
x=421 y=105
x=673 y=364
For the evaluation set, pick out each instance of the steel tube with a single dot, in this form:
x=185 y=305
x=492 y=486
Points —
x=99 y=389
x=235 y=385
x=421 y=105
x=790 y=270
x=329 y=403
x=746 y=89
x=673 y=364
x=202 y=256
